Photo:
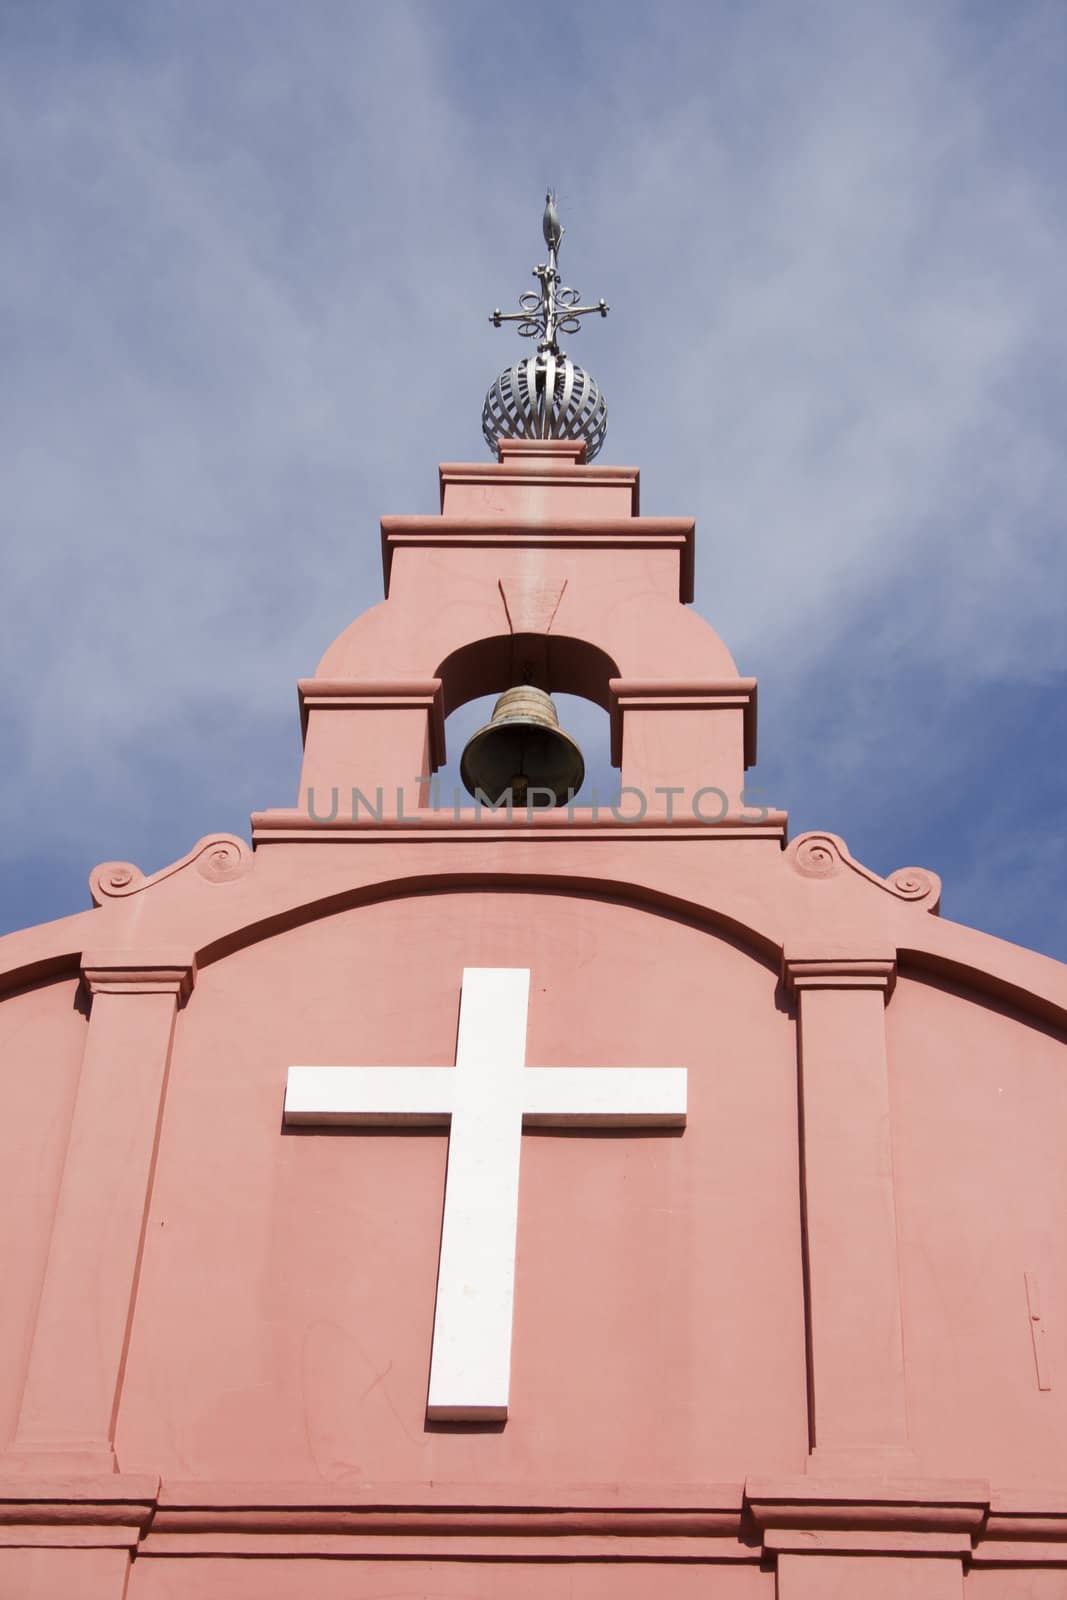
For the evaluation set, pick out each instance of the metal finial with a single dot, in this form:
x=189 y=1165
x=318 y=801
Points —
x=553 y=309
x=547 y=396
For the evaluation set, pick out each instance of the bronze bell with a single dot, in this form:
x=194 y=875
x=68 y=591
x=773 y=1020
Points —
x=523 y=749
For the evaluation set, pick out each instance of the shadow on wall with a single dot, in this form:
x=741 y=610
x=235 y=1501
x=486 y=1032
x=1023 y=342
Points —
x=586 y=722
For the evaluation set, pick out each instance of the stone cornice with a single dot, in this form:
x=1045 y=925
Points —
x=426 y=826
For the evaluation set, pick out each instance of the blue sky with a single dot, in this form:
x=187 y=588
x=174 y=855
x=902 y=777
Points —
x=251 y=248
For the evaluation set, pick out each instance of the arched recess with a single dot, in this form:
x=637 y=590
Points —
x=760 y=943
x=325 y=1253
x=558 y=665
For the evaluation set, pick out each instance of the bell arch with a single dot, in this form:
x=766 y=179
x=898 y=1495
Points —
x=557 y=664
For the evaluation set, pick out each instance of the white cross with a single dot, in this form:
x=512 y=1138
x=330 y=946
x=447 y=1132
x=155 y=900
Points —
x=486 y=1099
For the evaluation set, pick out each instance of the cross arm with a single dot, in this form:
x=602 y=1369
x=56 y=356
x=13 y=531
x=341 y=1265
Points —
x=369 y=1096
x=604 y=1097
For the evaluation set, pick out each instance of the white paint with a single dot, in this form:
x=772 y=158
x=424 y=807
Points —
x=486 y=1100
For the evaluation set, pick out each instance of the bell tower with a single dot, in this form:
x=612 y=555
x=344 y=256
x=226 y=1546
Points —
x=540 y=575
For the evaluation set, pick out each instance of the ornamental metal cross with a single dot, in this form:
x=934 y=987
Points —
x=553 y=309
x=485 y=1100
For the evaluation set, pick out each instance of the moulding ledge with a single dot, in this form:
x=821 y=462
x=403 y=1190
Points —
x=424 y=1521
x=957 y=1506
x=864 y=1541
x=95 y=1510
x=474 y=1521
x=425 y=825
x=687 y=1522
x=455 y=1546
x=588 y=533
x=839 y=972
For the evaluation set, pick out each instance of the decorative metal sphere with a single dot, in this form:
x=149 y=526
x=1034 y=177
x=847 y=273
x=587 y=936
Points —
x=545 y=396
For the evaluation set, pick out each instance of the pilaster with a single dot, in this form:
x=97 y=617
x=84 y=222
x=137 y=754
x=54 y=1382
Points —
x=74 y=1377
x=856 y=1379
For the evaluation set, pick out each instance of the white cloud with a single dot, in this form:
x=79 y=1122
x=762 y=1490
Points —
x=251 y=250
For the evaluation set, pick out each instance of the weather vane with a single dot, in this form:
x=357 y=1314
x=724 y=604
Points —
x=553 y=309
x=546 y=396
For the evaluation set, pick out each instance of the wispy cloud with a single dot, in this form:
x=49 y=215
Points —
x=251 y=249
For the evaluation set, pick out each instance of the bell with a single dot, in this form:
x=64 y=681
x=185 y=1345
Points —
x=523 y=750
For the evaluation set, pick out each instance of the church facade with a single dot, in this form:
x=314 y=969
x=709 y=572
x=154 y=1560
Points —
x=496 y=1203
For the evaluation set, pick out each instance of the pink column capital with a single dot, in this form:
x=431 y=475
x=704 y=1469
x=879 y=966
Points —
x=839 y=972
x=128 y=972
